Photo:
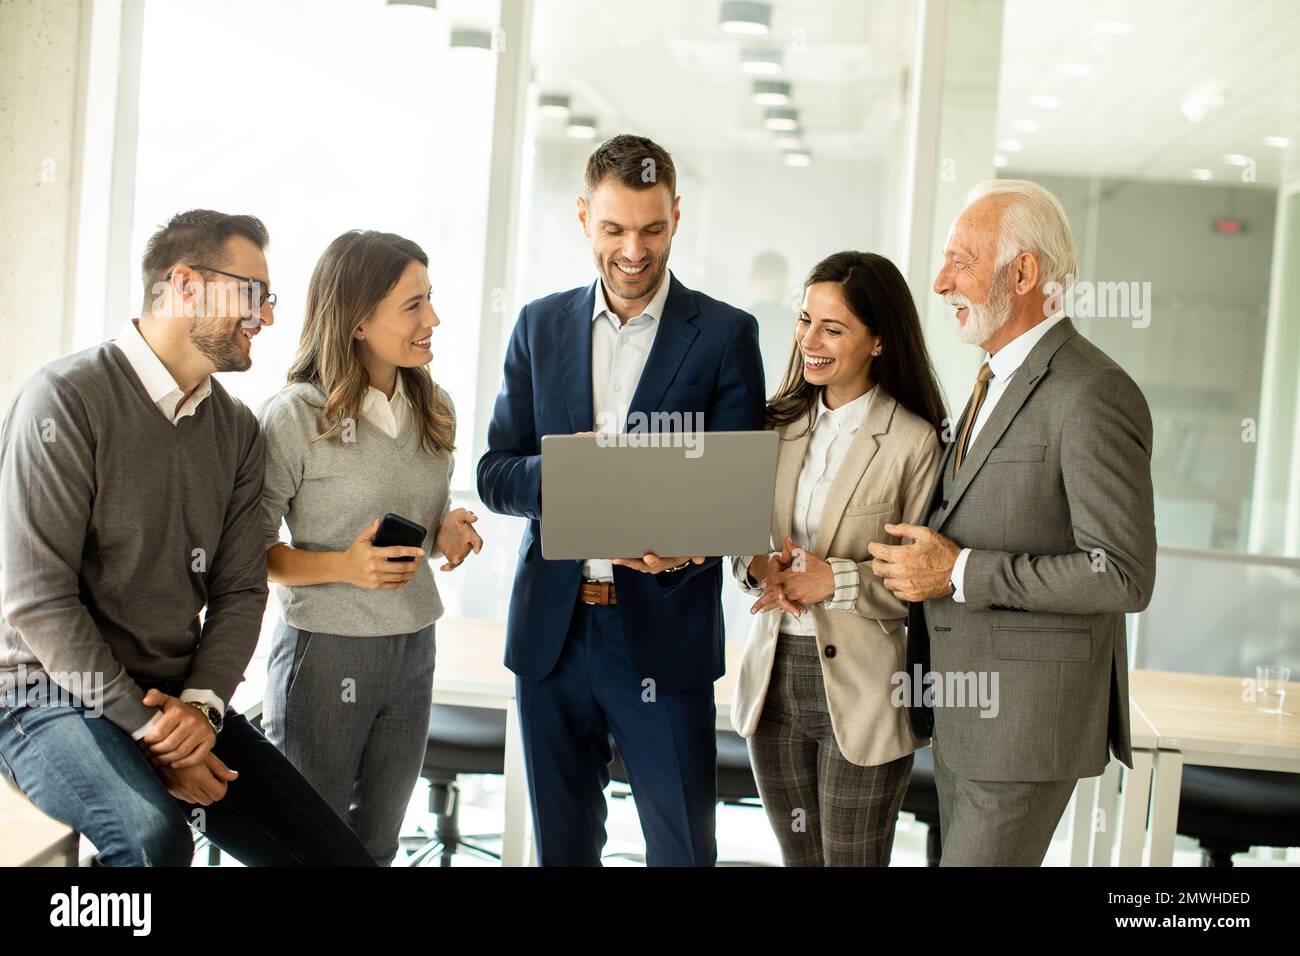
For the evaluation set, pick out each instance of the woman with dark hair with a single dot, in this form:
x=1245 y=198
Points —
x=360 y=430
x=860 y=419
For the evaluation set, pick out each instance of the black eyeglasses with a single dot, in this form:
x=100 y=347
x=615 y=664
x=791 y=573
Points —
x=260 y=295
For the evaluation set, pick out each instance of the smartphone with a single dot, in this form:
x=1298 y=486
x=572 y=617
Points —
x=396 y=531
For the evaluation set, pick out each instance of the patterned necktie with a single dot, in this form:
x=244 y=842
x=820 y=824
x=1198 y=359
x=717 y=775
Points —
x=976 y=400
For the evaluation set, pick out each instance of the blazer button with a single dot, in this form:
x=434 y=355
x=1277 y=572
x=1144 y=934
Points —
x=830 y=650
x=944 y=506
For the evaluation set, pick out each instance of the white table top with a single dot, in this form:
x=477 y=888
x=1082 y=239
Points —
x=27 y=836
x=1209 y=714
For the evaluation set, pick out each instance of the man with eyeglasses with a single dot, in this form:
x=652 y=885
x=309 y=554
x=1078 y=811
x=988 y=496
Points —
x=133 y=577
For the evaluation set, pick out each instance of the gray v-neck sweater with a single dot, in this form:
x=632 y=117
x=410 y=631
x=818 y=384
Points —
x=118 y=528
x=327 y=492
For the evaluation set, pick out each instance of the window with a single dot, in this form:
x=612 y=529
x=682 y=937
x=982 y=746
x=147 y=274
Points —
x=319 y=117
x=1178 y=174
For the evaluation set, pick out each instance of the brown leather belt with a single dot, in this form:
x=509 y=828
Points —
x=593 y=592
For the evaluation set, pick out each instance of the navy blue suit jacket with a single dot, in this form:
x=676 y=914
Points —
x=705 y=359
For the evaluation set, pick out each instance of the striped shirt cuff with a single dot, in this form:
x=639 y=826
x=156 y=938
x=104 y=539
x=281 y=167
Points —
x=847 y=585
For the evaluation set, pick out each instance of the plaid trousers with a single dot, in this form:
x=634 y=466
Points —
x=824 y=810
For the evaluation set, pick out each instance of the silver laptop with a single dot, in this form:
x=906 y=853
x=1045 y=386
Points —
x=619 y=496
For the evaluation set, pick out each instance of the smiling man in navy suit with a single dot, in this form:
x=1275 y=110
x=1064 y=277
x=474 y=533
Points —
x=628 y=648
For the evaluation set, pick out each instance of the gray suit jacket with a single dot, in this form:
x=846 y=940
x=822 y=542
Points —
x=1055 y=500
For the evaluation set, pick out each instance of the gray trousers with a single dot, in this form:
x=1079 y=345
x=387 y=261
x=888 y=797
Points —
x=352 y=714
x=996 y=822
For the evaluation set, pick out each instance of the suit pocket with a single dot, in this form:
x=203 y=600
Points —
x=867 y=511
x=1041 y=644
x=1018 y=453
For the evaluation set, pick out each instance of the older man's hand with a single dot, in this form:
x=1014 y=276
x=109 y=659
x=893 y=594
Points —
x=917 y=571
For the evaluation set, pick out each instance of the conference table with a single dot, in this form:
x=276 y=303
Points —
x=1208 y=721
x=1184 y=720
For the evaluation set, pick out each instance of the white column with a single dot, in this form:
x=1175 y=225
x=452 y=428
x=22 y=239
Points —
x=39 y=45
x=503 y=214
x=967 y=142
x=1275 y=498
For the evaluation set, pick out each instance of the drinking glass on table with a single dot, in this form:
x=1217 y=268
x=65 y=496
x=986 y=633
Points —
x=1270 y=688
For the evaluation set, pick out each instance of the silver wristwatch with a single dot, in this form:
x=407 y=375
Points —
x=213 y=715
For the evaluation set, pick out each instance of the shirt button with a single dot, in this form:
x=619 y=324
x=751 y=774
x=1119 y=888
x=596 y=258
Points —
x=619 y=388
x=830 y=650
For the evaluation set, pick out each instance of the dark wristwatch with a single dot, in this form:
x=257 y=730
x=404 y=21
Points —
x=215 y=720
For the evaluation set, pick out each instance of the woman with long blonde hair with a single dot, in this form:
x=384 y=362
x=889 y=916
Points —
x=361 y=430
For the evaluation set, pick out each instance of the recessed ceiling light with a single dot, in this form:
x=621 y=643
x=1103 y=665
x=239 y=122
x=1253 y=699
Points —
x=554 y=104
x=1025 y=126
x=999 y=161
x=1113 y=27
x=746 y=17
x=1198 y=101
x=1202 y=173
x=1011 y=145
x=1074 y=69
x=1046 y=102
x=781 y=118
x=582 y=127
x=1237 y=159
x=771 y=92
x=797 y=157
x=470 y=38
x=760 y=61
x=1277 y=142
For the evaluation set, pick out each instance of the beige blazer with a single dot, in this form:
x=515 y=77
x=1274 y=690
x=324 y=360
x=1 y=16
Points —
x=885 y=477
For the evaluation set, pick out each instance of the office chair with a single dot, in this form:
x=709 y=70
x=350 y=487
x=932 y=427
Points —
x=461 y=740
x=1229 y=810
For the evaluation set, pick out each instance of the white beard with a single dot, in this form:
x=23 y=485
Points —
x=984 y=320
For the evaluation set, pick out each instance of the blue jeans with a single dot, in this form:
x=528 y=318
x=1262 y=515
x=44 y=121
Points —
x=90 y=774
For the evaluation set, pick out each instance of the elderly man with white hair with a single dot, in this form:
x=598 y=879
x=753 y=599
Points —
x=1039 y=536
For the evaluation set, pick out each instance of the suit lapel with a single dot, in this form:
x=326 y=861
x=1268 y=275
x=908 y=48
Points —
x=672 y=341
x=1022 y=385
x=857 y=459
x=789 y=462
x=575 y=362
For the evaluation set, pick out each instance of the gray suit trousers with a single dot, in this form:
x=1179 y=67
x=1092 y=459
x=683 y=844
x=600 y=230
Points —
x=996 y=822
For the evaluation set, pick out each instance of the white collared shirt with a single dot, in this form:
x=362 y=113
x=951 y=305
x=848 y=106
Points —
x=389 y=415
x=1004 y=366
x=619 y=351
x=166 y=396
x=157 y=381
x=832 y=434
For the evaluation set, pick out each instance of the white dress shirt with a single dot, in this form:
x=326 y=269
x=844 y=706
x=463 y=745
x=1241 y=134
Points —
x=389 y=415
x=832 y=433
x=1003 y=365
x=157 y=381
x=172 y=402
x=618 y=356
